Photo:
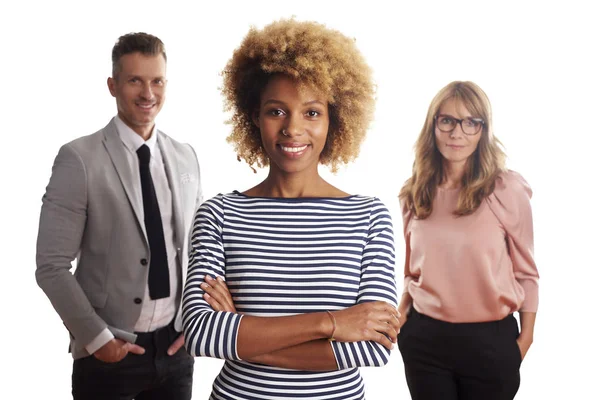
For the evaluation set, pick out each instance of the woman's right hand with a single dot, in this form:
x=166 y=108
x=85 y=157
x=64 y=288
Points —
x=404 y=308
x=402 y=321
x=377 y=321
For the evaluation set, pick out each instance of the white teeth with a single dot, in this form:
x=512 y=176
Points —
x=145 y=106
x=294 y=149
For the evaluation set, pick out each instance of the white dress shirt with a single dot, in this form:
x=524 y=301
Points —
x=155 y=313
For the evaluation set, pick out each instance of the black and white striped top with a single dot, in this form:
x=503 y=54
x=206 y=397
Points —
x=283 y=257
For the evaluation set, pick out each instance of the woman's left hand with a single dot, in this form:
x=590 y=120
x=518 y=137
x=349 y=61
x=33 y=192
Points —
x=217 y=294
x=524 y=344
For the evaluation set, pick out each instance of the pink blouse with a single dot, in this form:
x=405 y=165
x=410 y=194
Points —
x=478 y=267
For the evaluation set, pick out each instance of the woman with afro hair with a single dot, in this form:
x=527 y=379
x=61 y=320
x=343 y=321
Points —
x=292 y=282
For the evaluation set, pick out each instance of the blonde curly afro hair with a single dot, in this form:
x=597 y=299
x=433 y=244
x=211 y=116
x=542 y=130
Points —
x=316 y=57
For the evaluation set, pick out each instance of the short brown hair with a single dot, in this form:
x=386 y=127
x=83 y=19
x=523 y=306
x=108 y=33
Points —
x=314 y=56
x=138 y=42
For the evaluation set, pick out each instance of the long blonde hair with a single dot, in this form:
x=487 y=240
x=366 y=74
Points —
x=483 y=166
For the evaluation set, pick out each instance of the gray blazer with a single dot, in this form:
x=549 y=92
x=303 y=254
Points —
x=93 y=211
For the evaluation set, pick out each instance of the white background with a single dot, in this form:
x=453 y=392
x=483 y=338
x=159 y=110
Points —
x=538 y=63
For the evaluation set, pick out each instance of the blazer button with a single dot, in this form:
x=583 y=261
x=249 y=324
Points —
x=137 y=300
x=143 y=261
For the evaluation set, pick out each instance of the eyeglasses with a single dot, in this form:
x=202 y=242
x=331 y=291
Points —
x=470 y=126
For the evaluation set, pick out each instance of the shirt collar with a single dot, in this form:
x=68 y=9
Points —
x=132 y=140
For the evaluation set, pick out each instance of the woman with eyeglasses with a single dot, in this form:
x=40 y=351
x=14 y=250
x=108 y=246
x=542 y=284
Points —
x=469 y=257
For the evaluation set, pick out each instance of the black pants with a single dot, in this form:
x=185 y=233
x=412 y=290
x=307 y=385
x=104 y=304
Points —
x=152 y=376
x=466 y=361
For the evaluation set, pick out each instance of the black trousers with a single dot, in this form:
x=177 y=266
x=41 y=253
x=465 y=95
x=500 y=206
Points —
x=152 y=376
x=466 y=361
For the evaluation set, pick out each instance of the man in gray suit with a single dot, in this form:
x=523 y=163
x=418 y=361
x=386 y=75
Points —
x=121 y=201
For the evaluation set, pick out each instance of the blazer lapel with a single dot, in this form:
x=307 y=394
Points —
x=172 y=171
x=130 y=177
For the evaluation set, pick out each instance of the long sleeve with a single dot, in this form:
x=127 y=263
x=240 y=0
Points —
x=407 y=216
x=377 y=283
x=510 y=202
x=62 y=222
x=207 y=332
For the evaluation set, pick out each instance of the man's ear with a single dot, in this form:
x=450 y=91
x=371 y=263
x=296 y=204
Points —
x=111 y=83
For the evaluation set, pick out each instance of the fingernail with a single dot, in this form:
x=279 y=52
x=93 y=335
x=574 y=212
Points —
x=219 y=278
x=208 y=277
x=203 y=285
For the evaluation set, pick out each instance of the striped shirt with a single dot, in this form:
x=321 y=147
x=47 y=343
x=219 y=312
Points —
x=283 y=257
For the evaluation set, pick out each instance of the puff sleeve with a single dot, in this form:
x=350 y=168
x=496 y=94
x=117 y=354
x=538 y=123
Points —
x=510 y=203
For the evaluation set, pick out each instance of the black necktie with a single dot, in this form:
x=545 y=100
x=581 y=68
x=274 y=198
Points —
x=158 y=276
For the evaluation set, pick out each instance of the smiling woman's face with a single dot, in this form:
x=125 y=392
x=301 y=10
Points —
x=455 y=146
x=293 y=125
